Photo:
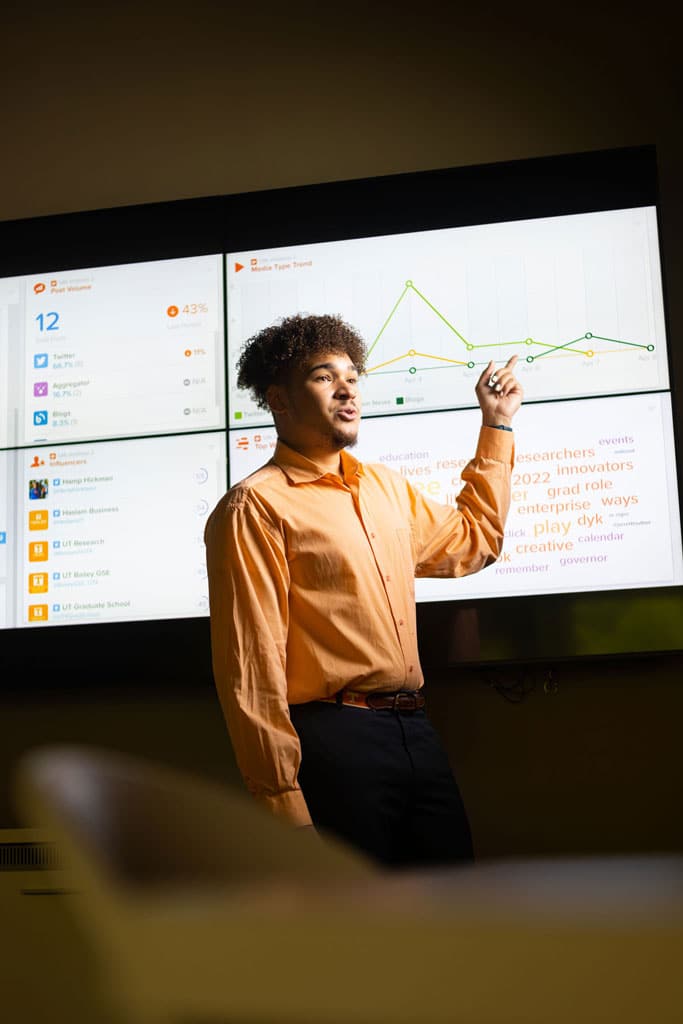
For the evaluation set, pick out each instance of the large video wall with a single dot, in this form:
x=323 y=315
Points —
x=121 y=424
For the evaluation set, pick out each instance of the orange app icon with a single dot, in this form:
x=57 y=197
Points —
x=37 y=583
x=172 y=311
x=38 y=520
x=37 y=551
x=37 y=613
x=39 y=287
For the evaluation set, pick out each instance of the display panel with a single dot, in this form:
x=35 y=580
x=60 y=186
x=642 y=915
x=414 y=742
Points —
x=113 y=352
x=111 y=530
x=578 y=298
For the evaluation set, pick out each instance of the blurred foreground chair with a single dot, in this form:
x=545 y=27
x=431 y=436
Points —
x=203 y=909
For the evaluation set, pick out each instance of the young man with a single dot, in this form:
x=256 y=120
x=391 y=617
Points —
x=311 y=565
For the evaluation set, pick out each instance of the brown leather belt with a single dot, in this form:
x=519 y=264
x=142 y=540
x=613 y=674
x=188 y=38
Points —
x=397 y=700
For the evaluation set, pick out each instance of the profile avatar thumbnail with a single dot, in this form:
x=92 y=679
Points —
x=37 y=489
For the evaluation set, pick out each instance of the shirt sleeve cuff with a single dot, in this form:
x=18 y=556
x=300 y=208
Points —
x=496 y=444
x=289 y=806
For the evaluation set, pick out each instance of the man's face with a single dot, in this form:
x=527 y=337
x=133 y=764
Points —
x=319 y=408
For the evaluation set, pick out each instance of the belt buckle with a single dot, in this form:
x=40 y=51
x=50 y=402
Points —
x=404 y=702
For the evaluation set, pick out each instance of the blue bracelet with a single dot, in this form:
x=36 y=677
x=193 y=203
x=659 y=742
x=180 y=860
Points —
x=499 y=426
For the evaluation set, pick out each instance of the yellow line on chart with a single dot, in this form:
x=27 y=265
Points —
x=410 y=354
x=556 y=353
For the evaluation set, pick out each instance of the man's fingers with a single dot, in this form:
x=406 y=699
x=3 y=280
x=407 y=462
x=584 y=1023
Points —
x=500 y=380
x=486 y=374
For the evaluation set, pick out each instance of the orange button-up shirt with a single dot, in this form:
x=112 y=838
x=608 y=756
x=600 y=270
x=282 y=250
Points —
x=311 y=589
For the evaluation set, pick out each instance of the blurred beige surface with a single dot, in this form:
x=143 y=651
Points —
x=292 y=930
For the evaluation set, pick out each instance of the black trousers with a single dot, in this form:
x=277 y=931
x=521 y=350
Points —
x=381 y=781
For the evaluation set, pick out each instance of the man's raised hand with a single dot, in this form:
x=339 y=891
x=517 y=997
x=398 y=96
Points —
x=499 y=393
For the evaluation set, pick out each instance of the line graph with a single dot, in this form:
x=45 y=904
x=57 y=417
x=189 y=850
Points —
x=577 y=298
x=548 y=347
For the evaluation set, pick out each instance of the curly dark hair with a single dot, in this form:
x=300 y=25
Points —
x=270 y=356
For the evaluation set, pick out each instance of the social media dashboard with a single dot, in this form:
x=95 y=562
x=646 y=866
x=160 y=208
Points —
x=122 y=351
x=114 y=530
x=112 y=443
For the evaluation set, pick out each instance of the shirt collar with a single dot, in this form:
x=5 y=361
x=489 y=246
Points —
x=300 y=470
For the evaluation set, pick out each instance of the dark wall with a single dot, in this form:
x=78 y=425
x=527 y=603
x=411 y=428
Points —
x=141 y=103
